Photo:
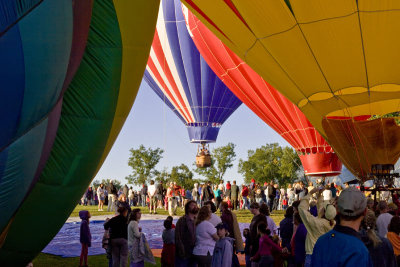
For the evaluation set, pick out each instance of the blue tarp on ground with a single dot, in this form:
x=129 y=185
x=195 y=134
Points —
x=66 y=242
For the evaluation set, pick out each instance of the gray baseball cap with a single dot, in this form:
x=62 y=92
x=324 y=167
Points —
x=351 y=202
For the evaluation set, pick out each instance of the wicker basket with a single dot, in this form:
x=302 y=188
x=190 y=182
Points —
x=203 y=161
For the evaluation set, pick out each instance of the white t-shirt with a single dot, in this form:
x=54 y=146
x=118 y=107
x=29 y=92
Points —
x=130 y=193
x=221 y=187
x=152 y=189
x=327 y=195
x=100 y=192
x=382 y=223
x=272 y=226
x=214 y=219
x=204 y=240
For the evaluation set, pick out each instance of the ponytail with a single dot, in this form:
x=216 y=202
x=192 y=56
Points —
x=370 y=223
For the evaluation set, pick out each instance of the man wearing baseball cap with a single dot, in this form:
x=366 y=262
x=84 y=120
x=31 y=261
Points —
x=342 y=246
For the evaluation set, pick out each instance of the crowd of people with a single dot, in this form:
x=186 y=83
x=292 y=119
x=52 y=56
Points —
x=322 y=226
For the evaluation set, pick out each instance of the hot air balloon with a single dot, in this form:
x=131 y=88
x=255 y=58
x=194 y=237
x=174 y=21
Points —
x=94 y=107
x=180 y=76
x=337 y=61
x=316 y=155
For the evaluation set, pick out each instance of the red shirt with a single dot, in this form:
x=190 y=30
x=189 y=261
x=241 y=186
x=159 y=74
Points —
x=266 y=246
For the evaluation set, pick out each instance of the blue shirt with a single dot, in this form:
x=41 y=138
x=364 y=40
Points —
x=341 y=246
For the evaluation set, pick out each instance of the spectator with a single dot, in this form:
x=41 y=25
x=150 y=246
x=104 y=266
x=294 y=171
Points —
x=223 y=250
x=394 y=236
x=214 y=219
x=196 y=193
x=206 y=235
x=160 y=195
x=218 y=195
x=351 y=207
x=121 y=202
x=266 y=246
x=131 y=196
x=316 y=226
x=257 y=219
x=333 y=190
x=380 y=249
x=327 y=194
x=152 y=197
x=207 y=193
x=290 y=194
x=100 y=196
x=185 y=236
x=384 y=218
x=245 y=193
x=234 y=195
x=119 y=237
x=286 y=228
x=172 y=202
x=227 y=194
x=112 y=196
x=89 y=195
x=271 y=224
x=298 y=241
x=246 y=235
x=168 y=250
x=125 y=190
x=143 y=195
x=85 y=237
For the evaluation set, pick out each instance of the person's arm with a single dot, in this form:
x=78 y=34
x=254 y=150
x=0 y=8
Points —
x=107 y=224
x=215 y=237
x=308 y=219
x=271 y=244
x=135 y=228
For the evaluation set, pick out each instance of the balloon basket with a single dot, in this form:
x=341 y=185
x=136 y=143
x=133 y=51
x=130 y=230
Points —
x=203 y=157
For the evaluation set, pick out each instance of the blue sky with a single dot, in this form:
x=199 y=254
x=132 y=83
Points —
x=153 y=124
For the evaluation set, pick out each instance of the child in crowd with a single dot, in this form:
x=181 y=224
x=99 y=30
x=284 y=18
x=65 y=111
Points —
x=85 y=237
x=168 y=251
x=172 y=221
x=247 y=243
x=266 y=248
x=223 y=250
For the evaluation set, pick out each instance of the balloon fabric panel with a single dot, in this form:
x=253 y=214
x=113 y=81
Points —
x=183 y=80
x=330 y=58
x=88 y=116
x=278 y=112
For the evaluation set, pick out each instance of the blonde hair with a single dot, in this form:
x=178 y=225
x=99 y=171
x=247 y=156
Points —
x=370 y=223
x=121 y=196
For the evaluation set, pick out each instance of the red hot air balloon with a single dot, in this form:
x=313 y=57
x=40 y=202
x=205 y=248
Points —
x=317 y=156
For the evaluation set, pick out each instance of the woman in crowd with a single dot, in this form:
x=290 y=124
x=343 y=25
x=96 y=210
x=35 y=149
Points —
x=258 y=218
x=380 y=249
x=100 y=196
x=117 y=227
x=286 y=228
x=134 y=234
x=394 y=236
x=217 y=195
x=206 y=236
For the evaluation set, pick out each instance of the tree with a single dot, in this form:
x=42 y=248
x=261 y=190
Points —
x=182 y=175
x=221 y=160
x=271 y=162
x=143 y=162
x=163 y=176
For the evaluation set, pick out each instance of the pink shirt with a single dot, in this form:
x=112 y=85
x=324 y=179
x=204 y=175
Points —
x=266 y=246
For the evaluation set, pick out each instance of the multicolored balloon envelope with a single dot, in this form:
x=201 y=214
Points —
x=317 y=156
x=336 y=60
x=180 y=76
x=69 y=73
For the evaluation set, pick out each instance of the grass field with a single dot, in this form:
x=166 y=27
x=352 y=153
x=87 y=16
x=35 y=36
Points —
x=242 y=215
x=44 y=260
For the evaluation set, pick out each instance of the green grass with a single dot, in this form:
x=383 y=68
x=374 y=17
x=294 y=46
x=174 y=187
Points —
x=243 y=216
x=45 y=260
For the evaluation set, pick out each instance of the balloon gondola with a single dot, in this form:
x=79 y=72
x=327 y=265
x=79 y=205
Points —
x=203 y=156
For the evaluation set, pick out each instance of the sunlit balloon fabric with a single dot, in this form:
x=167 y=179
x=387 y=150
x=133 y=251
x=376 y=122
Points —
x=41 y=46
x=317 y=156
x=331 y=58
x=74 y=111
x=179 y=75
